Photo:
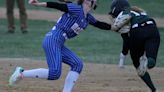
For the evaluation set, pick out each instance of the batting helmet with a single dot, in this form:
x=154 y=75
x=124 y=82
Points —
x=117 y=6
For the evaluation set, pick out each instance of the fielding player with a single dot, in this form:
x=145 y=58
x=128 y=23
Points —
x=75 y=19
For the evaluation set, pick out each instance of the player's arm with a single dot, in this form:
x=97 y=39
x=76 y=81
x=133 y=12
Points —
x=121 y=20
x=56 y=5
x=101 y=25
x=94 y=22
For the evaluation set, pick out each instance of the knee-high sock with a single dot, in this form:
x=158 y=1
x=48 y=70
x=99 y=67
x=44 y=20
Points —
x=146 y=78
x=36 y=73
x=70 y=81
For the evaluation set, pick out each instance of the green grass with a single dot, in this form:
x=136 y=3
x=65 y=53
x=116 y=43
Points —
x=153 y=7
x=92 y=45
x=3 y=4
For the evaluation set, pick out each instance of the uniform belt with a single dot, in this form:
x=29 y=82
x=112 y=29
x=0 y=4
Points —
x=142 y=24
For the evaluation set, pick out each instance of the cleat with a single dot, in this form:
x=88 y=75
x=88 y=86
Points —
x=17 y=75
x=143 y=65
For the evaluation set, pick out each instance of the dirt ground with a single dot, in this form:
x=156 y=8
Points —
x=94 y=78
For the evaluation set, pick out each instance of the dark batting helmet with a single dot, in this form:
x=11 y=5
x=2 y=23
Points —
x=117 y=6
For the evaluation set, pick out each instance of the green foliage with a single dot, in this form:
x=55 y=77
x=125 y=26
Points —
x=92 y=45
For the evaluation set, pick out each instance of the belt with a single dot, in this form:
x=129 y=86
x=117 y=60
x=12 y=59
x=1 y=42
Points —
x=142 y=24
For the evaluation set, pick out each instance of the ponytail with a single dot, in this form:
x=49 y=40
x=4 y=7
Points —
x=137 y=9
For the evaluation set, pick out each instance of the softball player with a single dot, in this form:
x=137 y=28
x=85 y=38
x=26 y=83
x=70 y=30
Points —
x=125 y=36
x=75 y=19
x=144 y=39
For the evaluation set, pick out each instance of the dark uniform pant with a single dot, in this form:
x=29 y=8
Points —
x=125 y=47
x=10 y=15
x=144 y=39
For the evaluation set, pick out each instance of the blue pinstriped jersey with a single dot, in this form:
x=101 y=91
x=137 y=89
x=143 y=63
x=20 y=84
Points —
x=74 y=21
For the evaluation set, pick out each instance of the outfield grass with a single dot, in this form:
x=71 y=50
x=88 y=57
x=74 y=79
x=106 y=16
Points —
x=92 y=45
x=153 y=7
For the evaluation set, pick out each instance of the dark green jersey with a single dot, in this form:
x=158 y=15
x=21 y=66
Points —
x=137 y=17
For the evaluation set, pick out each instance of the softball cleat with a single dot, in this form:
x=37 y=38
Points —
x=143 y=66
x=17 y=75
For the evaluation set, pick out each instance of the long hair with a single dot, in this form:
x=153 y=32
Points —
x=137 y=9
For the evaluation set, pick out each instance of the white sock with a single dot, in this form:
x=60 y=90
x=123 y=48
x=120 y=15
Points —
x=70 y=81
x=122 y=60
x=36 y=73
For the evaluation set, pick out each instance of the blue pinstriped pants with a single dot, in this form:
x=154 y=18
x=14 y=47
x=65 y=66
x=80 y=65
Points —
x=56 y=53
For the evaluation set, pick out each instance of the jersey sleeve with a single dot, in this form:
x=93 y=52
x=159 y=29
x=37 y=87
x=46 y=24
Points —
x=56 y=5
x=91 y=19
x=74 y=8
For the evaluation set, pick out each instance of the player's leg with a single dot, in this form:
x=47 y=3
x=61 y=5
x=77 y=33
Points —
x=76 y=65
x=152 y=46
x=10 y=15
x=151 y=49
x=125 y=49
x=23 y=15
x=52 y=48
x=145 y=77
x=137 y=49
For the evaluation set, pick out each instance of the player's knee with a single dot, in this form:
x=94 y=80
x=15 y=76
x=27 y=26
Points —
x=78 y=66
x=151 y=62
x=54 y=74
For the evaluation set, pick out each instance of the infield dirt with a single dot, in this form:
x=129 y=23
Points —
x=94 y=78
